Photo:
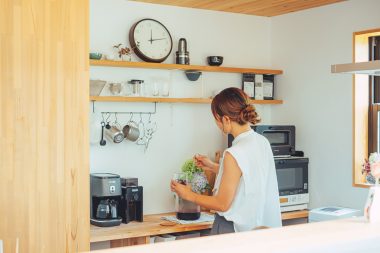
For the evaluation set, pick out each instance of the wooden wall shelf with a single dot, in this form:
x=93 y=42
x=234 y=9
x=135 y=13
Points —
x=168 y=100
x=149 y=65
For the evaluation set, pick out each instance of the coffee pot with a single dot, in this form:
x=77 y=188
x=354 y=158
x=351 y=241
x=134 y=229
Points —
x=107 y=209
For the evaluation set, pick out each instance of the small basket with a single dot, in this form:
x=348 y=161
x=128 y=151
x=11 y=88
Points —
x=96 y=87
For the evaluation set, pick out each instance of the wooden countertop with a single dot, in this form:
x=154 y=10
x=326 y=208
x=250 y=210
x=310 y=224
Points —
x=348 y=235
x=151 y=226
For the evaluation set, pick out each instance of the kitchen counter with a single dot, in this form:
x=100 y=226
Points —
x=348 y=235
x=139 y=232
x=135 y=233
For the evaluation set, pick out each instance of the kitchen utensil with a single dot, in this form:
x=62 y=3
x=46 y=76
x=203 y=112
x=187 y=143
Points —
x=215 y=60
x=114 y=133
x=103 y=210
x=165 y=89
x=96 y=87
x=115 y=88
x=182 y=55
x=113 y=207
x=141 y=126
x=131 y=131
x=193 y=75
x=150 y=128
x=155 y=89
x=137 y=87
x=127 y=89
x=102 y=140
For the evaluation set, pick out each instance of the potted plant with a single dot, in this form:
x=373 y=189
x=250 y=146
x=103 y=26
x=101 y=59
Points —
x=124 y=52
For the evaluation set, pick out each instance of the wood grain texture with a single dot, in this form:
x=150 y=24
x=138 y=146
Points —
x=169 y=100
x=130 y=242
x=151 y=227
x=44 y=161
x=252 y=7
x=295 y=215
x=150 y=65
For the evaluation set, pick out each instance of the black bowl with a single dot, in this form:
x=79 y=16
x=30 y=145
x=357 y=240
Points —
x=215 y=60
x=193 y=75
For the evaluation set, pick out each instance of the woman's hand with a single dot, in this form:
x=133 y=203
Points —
x=205 y=163
x=184 y=191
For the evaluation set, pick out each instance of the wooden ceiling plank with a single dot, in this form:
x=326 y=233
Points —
x=284 y=9
x=267 y=8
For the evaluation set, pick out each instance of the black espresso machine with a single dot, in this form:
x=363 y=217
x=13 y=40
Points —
x=131 y=200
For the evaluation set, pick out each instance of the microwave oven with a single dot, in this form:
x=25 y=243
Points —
x=282 y=138
x=293 y=184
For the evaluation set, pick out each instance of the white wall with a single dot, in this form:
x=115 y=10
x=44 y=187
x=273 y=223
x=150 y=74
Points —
x=183 y=129
x=319 y=103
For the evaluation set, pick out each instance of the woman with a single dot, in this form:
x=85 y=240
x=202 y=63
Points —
x=245 y=192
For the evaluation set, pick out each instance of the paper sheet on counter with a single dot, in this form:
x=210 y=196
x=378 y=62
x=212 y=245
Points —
x=204 y=218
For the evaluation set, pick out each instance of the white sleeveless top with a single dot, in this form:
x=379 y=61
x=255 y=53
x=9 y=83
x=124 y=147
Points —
x=256 y=202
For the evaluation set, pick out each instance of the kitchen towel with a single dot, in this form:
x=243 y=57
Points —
x=204 y=218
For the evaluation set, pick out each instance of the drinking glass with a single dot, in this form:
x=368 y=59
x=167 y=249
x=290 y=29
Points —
x=155 y=89
x=165 y=89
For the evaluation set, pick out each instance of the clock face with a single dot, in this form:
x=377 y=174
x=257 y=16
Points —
x=151 y=40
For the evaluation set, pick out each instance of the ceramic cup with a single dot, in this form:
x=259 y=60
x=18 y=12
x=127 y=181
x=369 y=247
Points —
x=115 y=88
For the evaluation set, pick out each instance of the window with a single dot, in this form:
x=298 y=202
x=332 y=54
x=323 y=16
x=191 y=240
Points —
x=366 y=104
x=374 y=98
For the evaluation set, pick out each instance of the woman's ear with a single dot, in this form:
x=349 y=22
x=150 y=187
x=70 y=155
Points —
x=226 y=120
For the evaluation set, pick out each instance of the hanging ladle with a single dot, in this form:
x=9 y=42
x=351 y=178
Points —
x=102 y=140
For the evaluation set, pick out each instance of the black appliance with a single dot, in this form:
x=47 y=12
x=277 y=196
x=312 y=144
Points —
x=293 y=183
x=282 y=138
x=132 y=204
x=105 y=199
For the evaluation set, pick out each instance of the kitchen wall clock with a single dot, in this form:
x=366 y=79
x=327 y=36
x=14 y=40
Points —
x=150 y=40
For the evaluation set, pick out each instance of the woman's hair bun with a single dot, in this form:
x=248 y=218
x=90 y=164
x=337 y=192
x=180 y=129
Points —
x=249 y=114
x=235 y=104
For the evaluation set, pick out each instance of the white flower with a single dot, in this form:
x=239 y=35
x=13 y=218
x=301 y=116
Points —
x=374 y=158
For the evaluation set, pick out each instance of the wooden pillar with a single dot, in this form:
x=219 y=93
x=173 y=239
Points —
x=44 y=160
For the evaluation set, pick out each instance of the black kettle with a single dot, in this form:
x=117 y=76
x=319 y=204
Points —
x=107 y=209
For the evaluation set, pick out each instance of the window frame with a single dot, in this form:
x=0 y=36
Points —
x=362 y=111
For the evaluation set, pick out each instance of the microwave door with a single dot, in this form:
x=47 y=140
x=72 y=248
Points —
x=292 y=176
x=277 y=138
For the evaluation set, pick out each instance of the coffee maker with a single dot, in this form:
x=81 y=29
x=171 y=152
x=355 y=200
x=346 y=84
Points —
x=105 y=199
x=131 y=200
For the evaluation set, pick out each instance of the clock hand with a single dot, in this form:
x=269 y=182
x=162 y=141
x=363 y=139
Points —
x=159 y=39
x=151 y=36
